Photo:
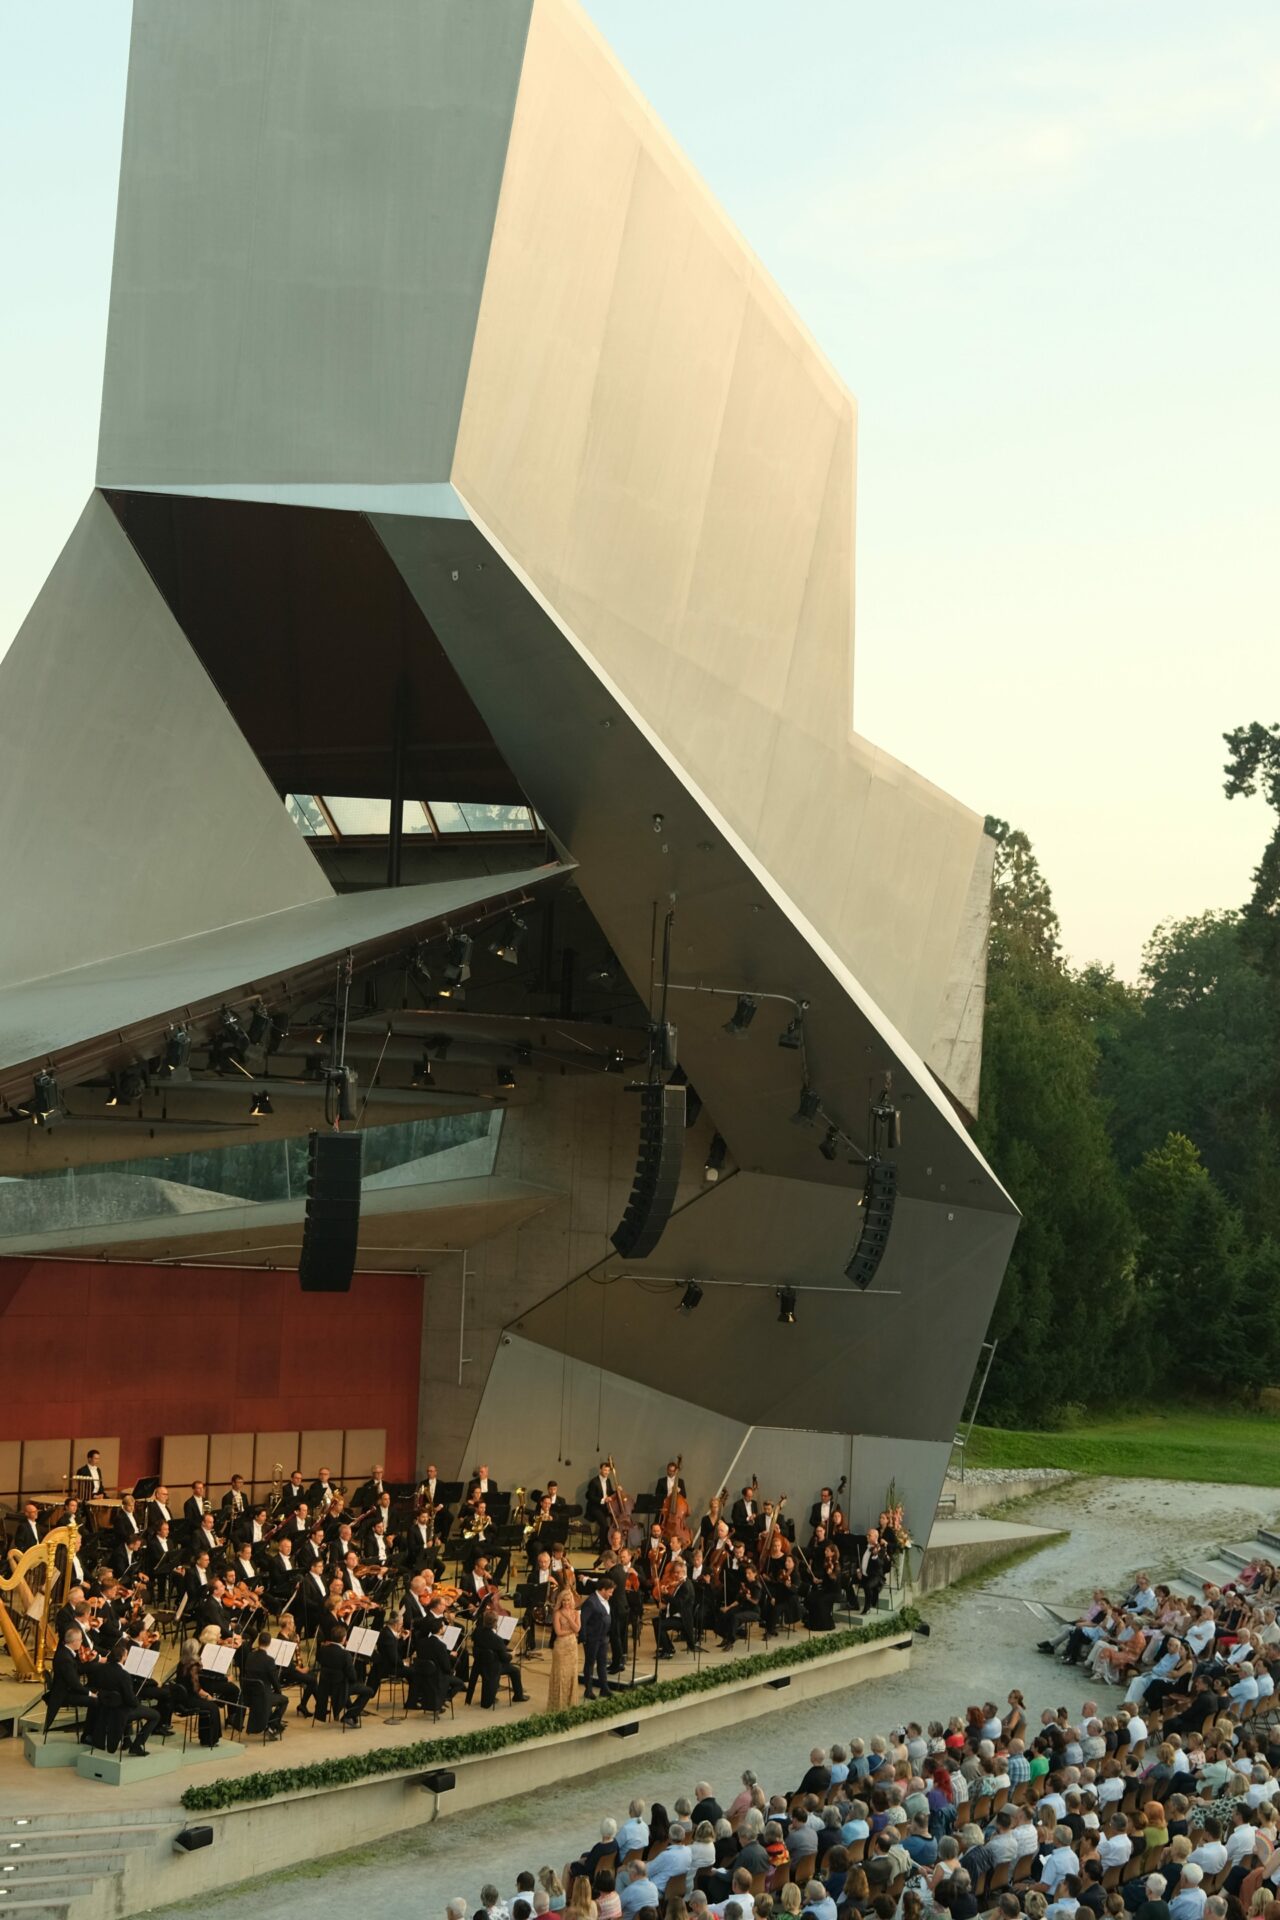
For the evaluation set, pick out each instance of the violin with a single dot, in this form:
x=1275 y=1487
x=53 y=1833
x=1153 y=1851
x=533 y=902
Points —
x=831 y=1562
x=670 y=1580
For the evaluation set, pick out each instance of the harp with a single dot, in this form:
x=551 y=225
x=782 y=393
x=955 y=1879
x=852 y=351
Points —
x=43 y=1556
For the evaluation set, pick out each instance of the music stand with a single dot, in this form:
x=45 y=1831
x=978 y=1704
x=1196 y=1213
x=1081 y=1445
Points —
x=505 y=1539
x=525 y=1598
x=449 y=1492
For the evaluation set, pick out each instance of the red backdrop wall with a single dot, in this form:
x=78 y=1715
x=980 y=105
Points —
x=140 y=1351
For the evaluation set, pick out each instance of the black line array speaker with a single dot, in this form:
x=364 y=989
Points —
x=657 y=1171
x=332 y=1226
x=877 y=1217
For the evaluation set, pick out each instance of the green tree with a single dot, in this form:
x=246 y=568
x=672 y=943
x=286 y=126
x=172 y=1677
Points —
x=1193 y=1269
x=1043 y=1127
x=1253 y=766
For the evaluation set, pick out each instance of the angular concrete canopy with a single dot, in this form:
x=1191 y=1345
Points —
x=435 y=373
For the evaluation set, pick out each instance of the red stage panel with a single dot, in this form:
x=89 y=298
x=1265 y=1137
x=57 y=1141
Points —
x=137 y=1351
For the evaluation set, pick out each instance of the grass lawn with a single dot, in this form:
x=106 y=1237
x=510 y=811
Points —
x=1236 y=1448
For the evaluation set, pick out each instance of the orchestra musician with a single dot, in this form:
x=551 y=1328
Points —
x=257 y=1665
x=596 y=1509
x=282 y=1576
x=205 y=1538
x=194 y=1507
x=69 y=1679
x=158 y=1509
x=365 y=1607
x=370 y=1491
x=379 y=1511
x=480 y=1486
x=313 y=1548
x=90 y=1485
x=431 y=1670
x=117 y=1691
x=429 y=1489
x=390 y=1656
x=492 y=1656
x=870 y=1568
x=783 y=1585
x=198 y=1578
x=336 y=1665
x=250 y=1530
x=235 y=1501
x=541 y=1586
x=321 y=1491
x=124 y=1521
x=420 y=1549
x=746 y=1515
x=744 y=1604
x=820 y=1511
x=293 y=1494
x=29 y=1531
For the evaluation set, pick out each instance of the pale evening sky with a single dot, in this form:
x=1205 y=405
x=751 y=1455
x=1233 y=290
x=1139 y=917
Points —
x=1039 y=243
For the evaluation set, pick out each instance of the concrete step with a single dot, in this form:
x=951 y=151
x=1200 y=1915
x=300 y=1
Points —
x=93 y=1836
x=35 y=1909
x=135 y=1828
x=1269 y=1540
x=77 y=1861
x=45 y=1886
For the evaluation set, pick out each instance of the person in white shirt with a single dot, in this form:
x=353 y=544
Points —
x=1024 y=1832
x=1143 y=1597
x=1004 y=1841
x=1067 y=1907
x=1137 y=1730
x=1210 y=1856
x=1262 y=1786
x=1053 y=1805
x=1241 y=1839
x=1117 y=1847
x=1110 y=1790
x=1200 y=1633
x=817 y=1901
x=1246 y=1687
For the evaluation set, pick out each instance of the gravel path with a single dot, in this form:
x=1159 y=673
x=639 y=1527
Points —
x=982 y=1642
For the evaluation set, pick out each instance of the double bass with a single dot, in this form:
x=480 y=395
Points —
x=618 y=1505
x=675 y=1512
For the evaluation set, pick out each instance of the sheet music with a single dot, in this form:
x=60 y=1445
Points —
x=362 y=1641
x=504 y=1626
x=36 y=1610
x=451 y=1637
x=282 y=1652
x=142 y=1661
x=217 y=1659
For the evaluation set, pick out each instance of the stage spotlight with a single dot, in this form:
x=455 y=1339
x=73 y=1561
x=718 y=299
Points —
x=232 y=1035
x=127 y=1086
x=808 y=1110
x=715 y=1161
x=829 y=1145
x=261 y=1103
x=614 y=1060
x=743 y=1014
x=177 y=1050
x=792 y=1035
x=691 y=1297
x=606 y=974
x=505 y=1077
x=457 y=960
x=786 y=1306
x=505 y=944
x=45 y=1108
x=259 y=1026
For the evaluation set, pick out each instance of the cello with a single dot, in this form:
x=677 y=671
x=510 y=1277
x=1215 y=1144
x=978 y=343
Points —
x=766 y=1538
x=675 y=1512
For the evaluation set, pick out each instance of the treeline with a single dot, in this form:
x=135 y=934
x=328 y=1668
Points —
x=1138 y=1130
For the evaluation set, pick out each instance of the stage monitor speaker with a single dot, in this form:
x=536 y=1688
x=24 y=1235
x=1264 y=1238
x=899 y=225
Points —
x=657 y=1171
x=192 y=1837
x=877 y=1218
x=332 y=1226
x=442 y=1781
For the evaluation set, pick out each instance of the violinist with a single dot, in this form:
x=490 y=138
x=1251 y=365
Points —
x=870 y=1568
x=783 y=1585
x=218 y=1610
x=713 y=1518
x=353 y=1587
x=243 y=1572
x=744 y=1604
x=417 y=1603
x=493 y=1659
x=820 y=1604
x=675 y=1603
x=124 y=1558
x=540 y=1588
x=631 y=1594
x=431 y=1669
x=191 y=1691
x=390 y=1657
x=69 y=1679
x=477 y=1585
x=257 y=1664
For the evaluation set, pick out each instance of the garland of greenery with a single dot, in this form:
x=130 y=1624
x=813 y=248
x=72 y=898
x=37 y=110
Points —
x=535 y=1726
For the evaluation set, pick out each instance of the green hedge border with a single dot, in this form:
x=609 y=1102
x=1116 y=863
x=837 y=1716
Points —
x=513 y=1733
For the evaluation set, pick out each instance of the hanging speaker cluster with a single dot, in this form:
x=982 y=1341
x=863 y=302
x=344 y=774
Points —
x=331 y=1229
x=877 y=1217
x=657 y=1171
